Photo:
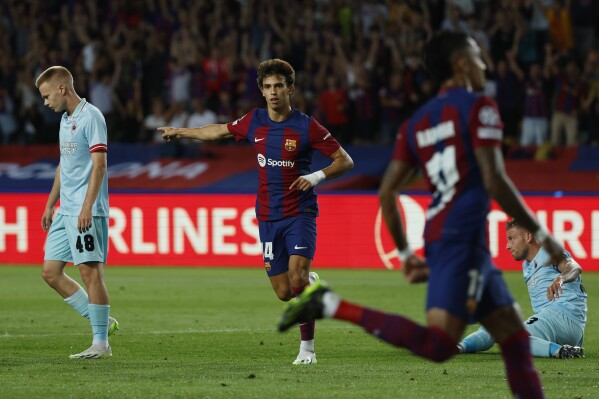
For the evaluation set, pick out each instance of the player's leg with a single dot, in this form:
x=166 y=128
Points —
x=89 y=254
x=57 y=254
x=300 y=243
x=505 y=325
x=552 y=334
x=478 y=341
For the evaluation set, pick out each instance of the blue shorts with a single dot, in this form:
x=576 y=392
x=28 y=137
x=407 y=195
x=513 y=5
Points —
x=463 y=280
x=65 y=243
x=282 y=238
x=553 y=325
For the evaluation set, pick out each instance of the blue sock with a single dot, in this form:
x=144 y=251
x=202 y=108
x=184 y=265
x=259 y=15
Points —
x=79 y=302
x=541 y=348
x=479 y=340
x=98 y=318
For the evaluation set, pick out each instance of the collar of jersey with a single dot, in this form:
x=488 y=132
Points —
x=78 y=109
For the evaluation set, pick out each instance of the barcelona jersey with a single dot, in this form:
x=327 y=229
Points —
x=283 y=153
x=441 y=138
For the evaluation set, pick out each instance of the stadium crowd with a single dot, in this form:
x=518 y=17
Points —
x=359 y=69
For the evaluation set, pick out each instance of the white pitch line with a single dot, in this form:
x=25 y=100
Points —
x=226 y=330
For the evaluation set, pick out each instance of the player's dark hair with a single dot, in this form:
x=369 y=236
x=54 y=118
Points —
x=513 y=223
x=439 y=54
x=275 y=67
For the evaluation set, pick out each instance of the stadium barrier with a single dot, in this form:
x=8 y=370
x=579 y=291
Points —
x=221 y=230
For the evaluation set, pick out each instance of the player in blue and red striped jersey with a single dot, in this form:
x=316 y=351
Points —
x=455 y=139
x=286 y=206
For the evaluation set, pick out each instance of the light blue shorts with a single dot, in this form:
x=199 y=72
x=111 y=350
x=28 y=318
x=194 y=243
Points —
x=65 y=243
x=554 y=326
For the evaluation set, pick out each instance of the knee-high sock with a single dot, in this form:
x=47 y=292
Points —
x=521 y=373
x=479 y=340
x=79 y=302
x=98 y=318
x=541 y=348
x=306 y=329
x=428 y=342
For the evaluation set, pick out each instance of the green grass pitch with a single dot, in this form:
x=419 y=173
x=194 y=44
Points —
x=210 y=333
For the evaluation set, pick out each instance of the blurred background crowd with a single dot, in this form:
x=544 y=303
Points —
x=359 y=67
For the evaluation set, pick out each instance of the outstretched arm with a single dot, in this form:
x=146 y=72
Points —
x=207 y=132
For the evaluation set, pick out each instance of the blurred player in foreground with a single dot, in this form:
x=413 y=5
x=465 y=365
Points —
x=558 y=299
x=455 y=139
x=79 y=232
x=286 y=207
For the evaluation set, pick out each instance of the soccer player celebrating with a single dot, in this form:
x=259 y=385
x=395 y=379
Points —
x=286 y=207
x=455 y=139
x=79 y=232
x=558 y=298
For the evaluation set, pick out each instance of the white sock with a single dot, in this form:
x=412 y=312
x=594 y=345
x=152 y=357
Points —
x=307 y=346
x=331 y=304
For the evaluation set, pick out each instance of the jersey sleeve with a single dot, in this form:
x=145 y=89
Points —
x=402 y=151
x=240 y=128
x=96 y=133
x=321 y=139
x=485 y=125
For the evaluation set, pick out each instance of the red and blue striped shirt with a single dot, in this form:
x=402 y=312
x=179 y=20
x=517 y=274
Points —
x=284 y=152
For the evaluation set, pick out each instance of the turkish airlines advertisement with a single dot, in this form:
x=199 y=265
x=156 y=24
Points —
x=221 y=230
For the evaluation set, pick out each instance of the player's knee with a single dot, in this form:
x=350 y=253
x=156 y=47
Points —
x=50 y=276
x=284 y=294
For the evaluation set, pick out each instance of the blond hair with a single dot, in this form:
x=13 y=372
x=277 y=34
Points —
x=58 y=73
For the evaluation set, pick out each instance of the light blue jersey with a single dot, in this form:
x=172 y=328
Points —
x=81 y=133
x=573 y=301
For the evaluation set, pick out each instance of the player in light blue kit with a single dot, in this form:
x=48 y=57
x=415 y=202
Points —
x=558 y=299
x=79 y=232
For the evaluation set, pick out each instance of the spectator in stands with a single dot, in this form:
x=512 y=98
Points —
x=201 y=115
x=568 y=88
x=334 y=105
x=157 y=117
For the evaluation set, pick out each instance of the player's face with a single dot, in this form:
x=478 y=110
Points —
x=276 y=92
x=516 y=243
x=53 y=95
x=475 y=67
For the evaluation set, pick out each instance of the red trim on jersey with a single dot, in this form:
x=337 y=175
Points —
x=98 y=147
x=290 y=151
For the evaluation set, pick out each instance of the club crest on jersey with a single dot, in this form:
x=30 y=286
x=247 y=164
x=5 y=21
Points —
x=290 y=145
x=73 y=128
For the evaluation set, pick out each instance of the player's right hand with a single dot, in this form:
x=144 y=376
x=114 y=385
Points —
x=168 y=132
x=416 y=269
x=47 y=219
x=554 y=249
